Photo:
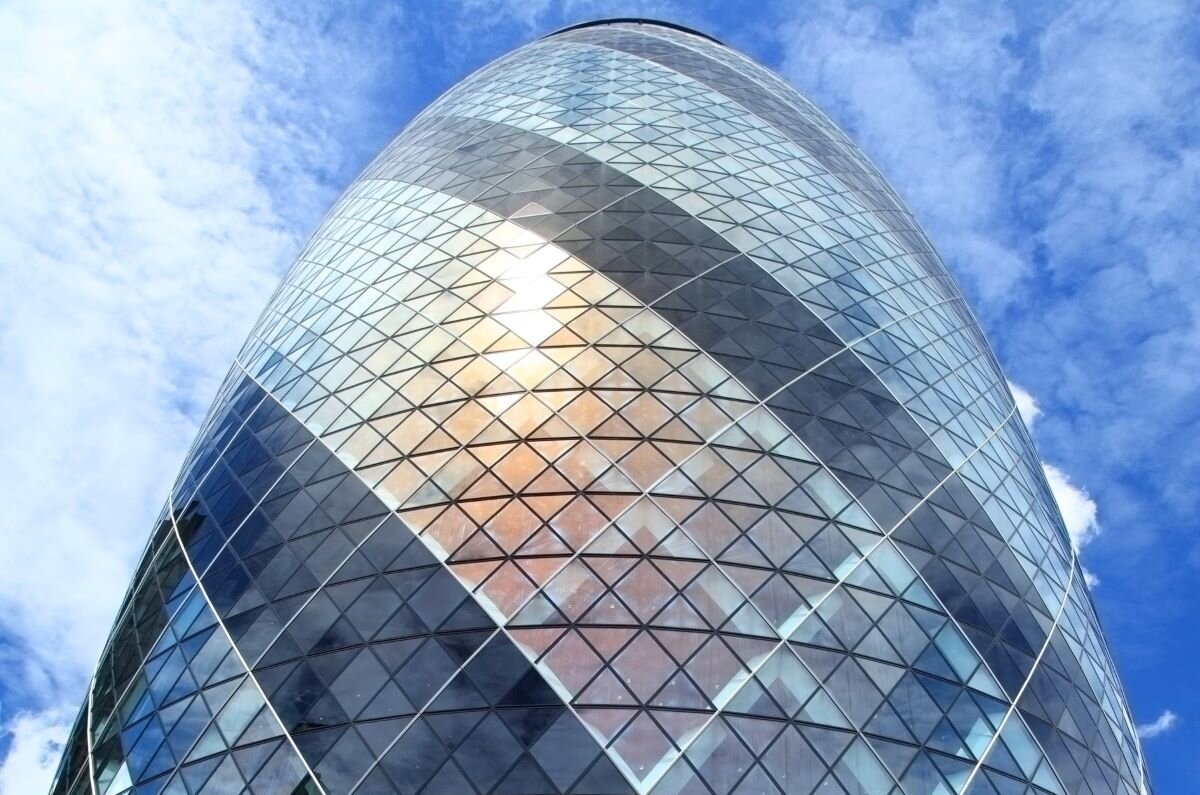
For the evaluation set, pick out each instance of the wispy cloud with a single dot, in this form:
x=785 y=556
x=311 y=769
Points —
x=1076 y=505
x=36 y=741
x=1027 y=406
x=1078 y=508
x=161 y=165
x=1161 y=725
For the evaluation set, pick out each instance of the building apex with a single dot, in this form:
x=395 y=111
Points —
x=634 y=21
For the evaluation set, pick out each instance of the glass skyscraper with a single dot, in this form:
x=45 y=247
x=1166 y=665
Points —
x=618 y=431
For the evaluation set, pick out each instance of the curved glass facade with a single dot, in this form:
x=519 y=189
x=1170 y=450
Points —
x=618 y=431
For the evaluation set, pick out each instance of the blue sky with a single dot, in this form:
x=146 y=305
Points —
x=162 y=163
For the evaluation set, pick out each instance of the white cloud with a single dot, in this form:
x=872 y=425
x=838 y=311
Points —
x=1160 y=725
x=1076 y=505
x=36 y=744
x=1078 y=508
x=161 y=164
x=1027 y=406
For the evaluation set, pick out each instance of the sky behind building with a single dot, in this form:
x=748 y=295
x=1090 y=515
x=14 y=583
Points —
x=164 y=166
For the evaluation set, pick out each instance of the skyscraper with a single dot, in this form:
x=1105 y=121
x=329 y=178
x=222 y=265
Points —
x=618 y=431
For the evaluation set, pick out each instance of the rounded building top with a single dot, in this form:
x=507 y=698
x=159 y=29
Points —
x=628 y=383
x=634 y=21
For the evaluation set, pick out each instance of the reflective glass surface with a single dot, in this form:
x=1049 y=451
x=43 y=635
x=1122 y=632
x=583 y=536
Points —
x=618 y=431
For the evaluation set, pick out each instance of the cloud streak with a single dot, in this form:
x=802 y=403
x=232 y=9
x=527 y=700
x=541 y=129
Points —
x=1164 y=723
x=1077 y=506
x=36 y=742
x=1027 y=406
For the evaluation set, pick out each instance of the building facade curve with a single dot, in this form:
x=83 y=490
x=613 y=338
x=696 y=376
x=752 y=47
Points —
x=618 y=431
